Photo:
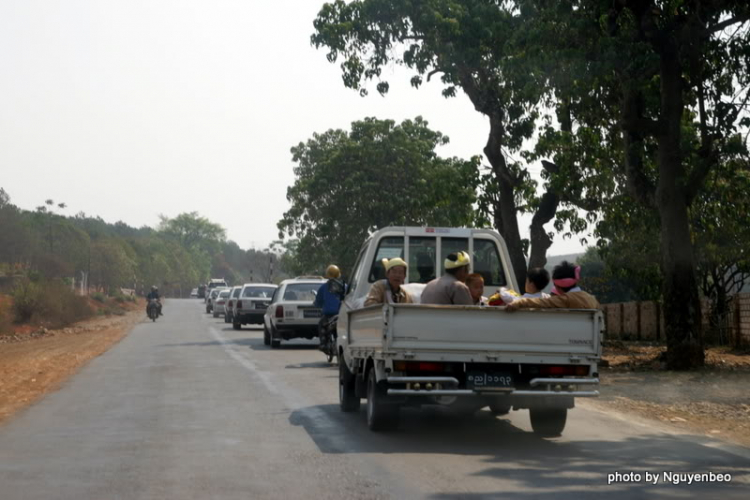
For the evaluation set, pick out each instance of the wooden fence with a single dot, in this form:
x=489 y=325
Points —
x=645 y=321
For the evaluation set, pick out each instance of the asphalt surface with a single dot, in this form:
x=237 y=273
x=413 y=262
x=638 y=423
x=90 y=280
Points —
x=187 y=408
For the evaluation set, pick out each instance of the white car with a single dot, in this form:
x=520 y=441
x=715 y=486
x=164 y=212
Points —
x=194 y=293
x=210 y=298
x=292 y=314
x=219 y=303
x=234 y=293
x=252 y=303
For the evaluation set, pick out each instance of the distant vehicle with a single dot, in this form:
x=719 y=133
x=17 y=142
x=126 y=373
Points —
x=291 y=314
x=210 y=300
x=202 y=291
x=194 y=293
x=153 y=309
x=252 y=303
x=216 y=283
x=233 y=295
x=219 y=304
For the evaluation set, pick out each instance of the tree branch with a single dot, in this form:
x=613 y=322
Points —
x=434 y=71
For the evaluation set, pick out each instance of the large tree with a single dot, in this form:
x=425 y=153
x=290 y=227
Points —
x=378 y=174
x=470 y=44
x=663 y=69
x=193 y=231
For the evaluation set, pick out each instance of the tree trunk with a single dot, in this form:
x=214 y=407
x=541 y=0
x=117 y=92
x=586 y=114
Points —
x=505 y=211
x=540 y=240
x=681 y=301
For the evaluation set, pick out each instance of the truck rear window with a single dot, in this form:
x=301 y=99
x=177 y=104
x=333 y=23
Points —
x=388 y=248
x=486 y=260
x=422 y=252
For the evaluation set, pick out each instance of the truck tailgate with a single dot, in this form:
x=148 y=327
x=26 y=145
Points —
x=406 y=327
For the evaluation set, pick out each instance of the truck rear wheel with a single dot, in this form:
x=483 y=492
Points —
x=548 y=422
x=381 y=415
x=236 y=324
x=348 y=400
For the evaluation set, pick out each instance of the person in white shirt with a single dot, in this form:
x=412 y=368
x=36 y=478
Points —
x=537 y=278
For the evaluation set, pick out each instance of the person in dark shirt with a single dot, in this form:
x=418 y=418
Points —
x=154 y=294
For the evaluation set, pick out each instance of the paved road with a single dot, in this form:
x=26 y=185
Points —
x=186 y=408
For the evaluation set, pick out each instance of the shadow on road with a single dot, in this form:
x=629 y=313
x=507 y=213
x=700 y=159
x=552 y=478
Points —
x=537 y=467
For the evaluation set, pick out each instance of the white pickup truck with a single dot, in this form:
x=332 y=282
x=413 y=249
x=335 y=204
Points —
x=462 y=356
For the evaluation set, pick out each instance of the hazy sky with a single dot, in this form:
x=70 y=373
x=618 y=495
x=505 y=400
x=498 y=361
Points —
x=131 y=109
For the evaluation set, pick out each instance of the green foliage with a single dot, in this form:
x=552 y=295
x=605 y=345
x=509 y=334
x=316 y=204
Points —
x=349 y=184
x=193 y=232
x=99 y=297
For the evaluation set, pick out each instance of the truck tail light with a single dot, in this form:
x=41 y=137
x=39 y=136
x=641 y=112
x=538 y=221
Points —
x=579 y=370
x=418 y=366
x=279 y=311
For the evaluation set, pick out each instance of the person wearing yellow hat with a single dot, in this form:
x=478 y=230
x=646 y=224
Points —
x=389 y=290
x=450 y=287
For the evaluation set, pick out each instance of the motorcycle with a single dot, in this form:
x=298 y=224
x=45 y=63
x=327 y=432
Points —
x=327 y=332
x=153 y=309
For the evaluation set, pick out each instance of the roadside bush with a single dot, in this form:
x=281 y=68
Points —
x=120 y=299
x=51 y=303
x=26 y=297
x=99 y=297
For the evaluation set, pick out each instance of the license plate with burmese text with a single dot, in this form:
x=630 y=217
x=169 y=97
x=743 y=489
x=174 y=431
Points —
x=489 y=381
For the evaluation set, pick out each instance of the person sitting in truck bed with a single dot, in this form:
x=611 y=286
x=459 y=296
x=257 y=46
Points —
x=537 y=279
x=566 y=294
x=450 y=289
x=475 y=282
x=389 y=290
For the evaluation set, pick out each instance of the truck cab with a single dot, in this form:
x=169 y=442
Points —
x=424 y=249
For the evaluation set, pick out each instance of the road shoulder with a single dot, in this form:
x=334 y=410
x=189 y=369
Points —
x=41 y=364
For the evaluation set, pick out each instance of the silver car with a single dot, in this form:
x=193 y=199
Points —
x=220 y=303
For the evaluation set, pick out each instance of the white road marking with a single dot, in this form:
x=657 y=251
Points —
x=292 y=399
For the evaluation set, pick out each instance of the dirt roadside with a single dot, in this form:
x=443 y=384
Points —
x=714 y=401
x=36 y=362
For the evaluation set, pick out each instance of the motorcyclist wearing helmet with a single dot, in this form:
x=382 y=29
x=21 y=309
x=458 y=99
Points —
x=154 y=294
x=328 y=302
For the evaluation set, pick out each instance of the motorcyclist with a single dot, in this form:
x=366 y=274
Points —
x=328 y=302
x=154 y=294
